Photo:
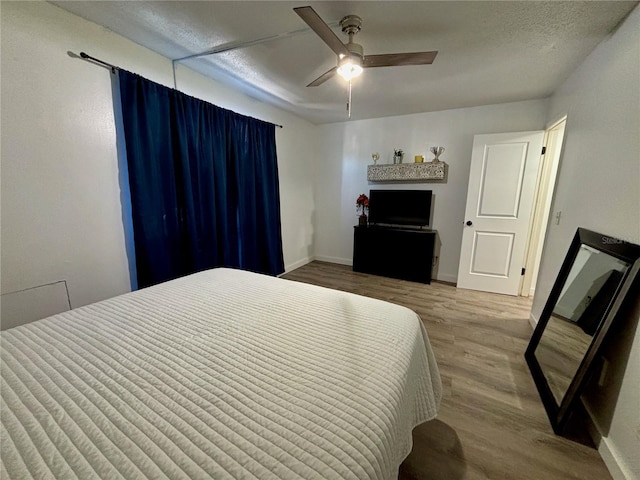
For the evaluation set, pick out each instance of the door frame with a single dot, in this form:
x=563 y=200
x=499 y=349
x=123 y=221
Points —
x=540 y=219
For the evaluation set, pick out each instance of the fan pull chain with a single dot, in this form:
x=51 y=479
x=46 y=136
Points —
x=349 y=101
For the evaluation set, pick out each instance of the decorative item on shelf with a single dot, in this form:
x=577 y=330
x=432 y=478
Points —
x=419 y=158
x=362 y=207
x=398 y=154
x=375 y=157
x=437 y=151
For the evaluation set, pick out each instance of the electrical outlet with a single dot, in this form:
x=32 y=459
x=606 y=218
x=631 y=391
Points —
x=558 y=215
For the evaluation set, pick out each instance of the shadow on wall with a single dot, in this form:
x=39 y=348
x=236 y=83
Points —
x=311 y=244
x=601 y=400
x=437 y=453
x=436 y=257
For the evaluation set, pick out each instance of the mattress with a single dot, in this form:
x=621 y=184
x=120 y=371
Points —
x=223 y=374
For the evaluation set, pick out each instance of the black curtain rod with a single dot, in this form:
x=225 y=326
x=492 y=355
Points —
x=96 y=60
x=113 y=68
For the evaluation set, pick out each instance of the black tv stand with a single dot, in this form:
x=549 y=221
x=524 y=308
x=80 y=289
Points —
x=398 y=252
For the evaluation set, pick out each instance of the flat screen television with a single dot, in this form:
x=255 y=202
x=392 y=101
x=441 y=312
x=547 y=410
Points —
x=400 y=207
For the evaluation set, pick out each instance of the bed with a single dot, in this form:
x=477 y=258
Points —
x=223 y=374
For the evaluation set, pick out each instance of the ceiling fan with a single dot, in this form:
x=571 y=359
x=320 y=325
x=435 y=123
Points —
x=351 y=58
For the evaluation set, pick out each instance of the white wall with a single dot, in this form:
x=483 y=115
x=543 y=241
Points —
x=341 y=172
x=60 y=196
x=598 y=188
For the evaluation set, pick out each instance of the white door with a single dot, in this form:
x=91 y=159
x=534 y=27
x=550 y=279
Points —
x=502 y=184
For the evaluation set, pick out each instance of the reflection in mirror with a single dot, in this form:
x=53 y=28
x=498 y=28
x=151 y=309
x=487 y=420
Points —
x=597 y=275
x=591 y=285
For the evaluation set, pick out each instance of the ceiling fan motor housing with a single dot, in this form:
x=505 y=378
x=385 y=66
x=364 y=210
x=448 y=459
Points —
x=351 y=24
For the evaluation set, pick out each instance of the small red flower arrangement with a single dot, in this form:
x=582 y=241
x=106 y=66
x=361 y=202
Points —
x=362 y=205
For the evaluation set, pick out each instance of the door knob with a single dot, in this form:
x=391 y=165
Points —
x=469 y=223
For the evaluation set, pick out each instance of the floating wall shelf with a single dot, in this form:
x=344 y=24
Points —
x=408 y=172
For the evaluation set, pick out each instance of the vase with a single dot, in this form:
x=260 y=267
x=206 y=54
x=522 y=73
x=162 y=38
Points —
x=362 y=220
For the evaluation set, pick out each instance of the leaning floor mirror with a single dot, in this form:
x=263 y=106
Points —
x=597 y=274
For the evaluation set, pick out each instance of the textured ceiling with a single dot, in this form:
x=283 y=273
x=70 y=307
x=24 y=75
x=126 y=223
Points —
x=489 y=52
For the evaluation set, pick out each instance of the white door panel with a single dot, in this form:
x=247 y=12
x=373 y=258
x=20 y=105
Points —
x=502 y=177
x=502 y=180
x=492 y=253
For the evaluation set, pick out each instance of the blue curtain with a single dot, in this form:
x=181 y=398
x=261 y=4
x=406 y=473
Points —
x=204 y=184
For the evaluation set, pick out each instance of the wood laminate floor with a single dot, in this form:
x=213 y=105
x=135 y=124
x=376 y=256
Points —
x=491 y=423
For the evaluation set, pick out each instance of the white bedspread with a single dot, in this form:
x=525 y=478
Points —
x=223 y=374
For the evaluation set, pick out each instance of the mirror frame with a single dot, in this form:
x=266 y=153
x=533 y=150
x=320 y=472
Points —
x=559 y=413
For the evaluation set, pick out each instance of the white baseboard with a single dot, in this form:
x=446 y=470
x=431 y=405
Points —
x=533 y=321
x=338 y=260
x=445 y=277
x=608 y=452
x=612 y=460
x=298 y=264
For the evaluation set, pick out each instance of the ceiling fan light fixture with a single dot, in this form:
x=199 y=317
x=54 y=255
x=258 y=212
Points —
x=350 y=67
